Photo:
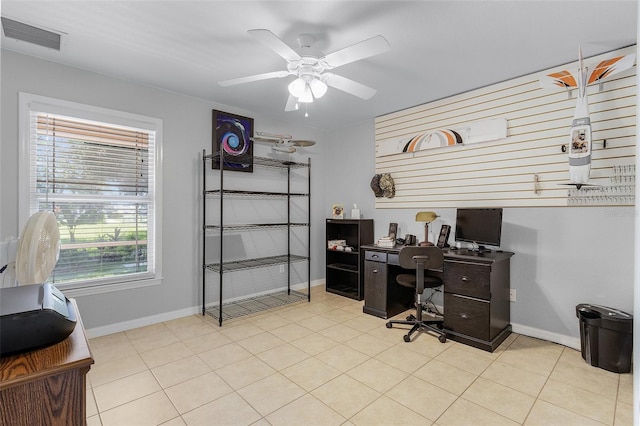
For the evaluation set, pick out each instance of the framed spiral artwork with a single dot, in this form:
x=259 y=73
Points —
x=231 y=138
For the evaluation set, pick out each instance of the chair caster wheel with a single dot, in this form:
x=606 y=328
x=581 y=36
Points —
x=389 y=325
x=411 y=318
x=406 y=338
x=442 y=339
x=440 y=326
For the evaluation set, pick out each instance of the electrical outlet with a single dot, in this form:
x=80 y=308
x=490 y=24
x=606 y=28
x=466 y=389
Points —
x=281 y=269
x=512 y=295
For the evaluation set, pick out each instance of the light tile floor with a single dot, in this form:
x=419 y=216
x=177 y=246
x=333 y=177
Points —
x=327 y=363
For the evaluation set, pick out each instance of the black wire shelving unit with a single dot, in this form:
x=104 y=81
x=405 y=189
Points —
x=224 y=310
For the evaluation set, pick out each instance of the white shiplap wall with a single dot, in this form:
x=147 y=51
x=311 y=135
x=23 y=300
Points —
x=503 y=173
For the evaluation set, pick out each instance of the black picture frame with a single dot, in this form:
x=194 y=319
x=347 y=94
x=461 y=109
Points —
x=393 y=230
x=231 y=137
x=443 y=238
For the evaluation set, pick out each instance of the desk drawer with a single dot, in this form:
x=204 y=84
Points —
x=393 y=259
x=468 y=279
x=467 y=316
x=375 y=256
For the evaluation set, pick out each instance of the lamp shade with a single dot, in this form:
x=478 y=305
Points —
x=297 y=87
x=318 y=88
x=427 y=217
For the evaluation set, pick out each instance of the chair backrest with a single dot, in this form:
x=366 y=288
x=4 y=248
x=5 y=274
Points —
x=435 y=257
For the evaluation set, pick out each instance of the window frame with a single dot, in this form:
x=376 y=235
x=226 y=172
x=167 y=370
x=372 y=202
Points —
x=30 y=102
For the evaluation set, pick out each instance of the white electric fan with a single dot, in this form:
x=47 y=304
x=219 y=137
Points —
x=36 y=252
x=34 y=316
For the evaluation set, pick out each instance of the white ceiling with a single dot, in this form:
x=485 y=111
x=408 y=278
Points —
x=438 y=48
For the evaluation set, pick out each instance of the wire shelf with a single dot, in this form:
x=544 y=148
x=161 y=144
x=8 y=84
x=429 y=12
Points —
x=252 y=226
x=255 y=304
x=267 y=162
x=259 y=262
x=234 y=193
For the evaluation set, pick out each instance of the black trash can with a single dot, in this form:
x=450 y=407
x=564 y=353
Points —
x=606 y=337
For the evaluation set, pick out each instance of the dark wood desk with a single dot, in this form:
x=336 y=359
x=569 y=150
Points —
x=476 y=292
x=47 y=386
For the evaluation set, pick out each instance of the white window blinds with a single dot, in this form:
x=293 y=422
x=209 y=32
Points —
x=99 y=179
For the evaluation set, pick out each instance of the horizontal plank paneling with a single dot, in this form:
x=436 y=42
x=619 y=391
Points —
x=528 y=168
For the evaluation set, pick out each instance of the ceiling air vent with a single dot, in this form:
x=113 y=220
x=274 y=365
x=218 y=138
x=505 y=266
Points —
x=30 y=34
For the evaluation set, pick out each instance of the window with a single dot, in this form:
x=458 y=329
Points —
x=98 y=170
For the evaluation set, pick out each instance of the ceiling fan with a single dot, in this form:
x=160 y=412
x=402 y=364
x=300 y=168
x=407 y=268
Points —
x=309 y=65
x=282 y=143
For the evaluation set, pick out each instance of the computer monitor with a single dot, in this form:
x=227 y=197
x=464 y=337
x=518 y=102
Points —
x=480 y=226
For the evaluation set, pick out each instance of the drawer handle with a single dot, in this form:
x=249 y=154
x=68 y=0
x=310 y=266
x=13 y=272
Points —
x=465 y=316
x=375 y=271
x=465 y=279
x=375 y=256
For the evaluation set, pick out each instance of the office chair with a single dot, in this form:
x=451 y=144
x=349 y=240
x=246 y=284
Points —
x=420 y=259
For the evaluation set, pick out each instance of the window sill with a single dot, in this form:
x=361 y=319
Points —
x=108 y=288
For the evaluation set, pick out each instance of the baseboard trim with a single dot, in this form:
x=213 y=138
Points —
x=166 y=316
x=141 y=322
x=569 y=341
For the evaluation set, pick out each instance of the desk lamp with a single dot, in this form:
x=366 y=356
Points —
x=427 y=218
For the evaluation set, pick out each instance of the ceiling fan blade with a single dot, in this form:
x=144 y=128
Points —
x=349 y=86
x=274 y=43
x=364 y=49
x=250 y=78
x=291 y=103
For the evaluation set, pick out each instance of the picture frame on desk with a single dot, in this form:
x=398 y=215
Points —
x=393 y=230
x=443 y=238
x=337 y=211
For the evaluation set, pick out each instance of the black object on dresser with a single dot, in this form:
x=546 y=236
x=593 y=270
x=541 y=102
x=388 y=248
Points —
x=344 y=263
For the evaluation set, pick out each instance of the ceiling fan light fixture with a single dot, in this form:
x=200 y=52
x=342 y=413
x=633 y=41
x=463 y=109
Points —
x=309 y=64
x=318 y=88
x=297 y=87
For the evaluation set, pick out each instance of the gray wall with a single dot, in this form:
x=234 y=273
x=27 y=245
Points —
x=564 y=256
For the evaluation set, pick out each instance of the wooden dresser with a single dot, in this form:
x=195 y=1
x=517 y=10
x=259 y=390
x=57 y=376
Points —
x=47 y=386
